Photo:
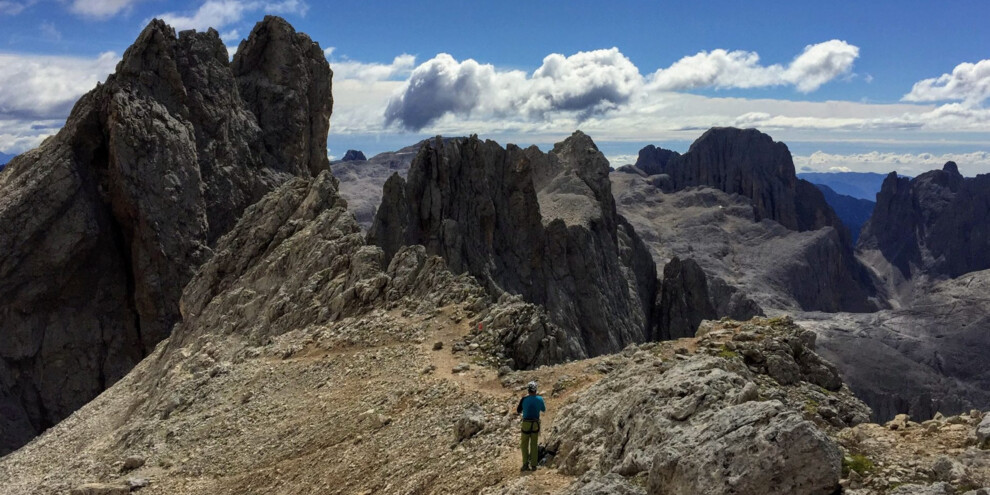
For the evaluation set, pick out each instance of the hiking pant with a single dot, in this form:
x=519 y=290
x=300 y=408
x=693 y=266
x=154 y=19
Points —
x=530 y=442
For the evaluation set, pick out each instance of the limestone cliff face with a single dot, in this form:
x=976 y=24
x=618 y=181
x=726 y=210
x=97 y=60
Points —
x=750 y=163
x=935 y=224
x=825 y=275
x=103 y=225
x=539 y=225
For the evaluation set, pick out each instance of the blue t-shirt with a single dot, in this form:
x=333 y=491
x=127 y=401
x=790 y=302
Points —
x=531 y=406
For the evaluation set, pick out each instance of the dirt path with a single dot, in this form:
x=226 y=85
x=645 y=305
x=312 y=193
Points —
x=486 y=380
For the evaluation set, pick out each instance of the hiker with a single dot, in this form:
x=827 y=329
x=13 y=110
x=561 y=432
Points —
x=530 y=407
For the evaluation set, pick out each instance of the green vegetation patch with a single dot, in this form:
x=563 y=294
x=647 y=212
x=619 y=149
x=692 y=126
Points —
x=856 y=462
x=727 y=353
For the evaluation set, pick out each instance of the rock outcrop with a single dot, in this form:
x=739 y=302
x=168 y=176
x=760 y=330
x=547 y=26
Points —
x=747 y=414
x=934 y=225
x=774 y=267
x=750 y=164
x=683 y=300
x=687 y=296
x=103 y=225
x=539 y=225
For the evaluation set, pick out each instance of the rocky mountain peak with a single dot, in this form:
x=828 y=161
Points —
x=285 y=81
x=652 y=160
x=751 y=164
x=353 y=156
x=933 y=225
x=541 y=226
x=104 y=224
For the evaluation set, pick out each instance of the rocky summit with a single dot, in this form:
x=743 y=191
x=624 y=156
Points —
x=542 y=226
x=763 y=202
x=103 y=225
x=933 y=226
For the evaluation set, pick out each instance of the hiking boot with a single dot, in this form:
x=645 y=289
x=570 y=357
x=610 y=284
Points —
x=525 y=468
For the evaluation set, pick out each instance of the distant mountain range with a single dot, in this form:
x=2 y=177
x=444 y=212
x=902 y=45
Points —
x=854 y=212
x=862 y=185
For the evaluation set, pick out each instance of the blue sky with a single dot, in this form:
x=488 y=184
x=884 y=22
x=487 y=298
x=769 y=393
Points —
x=848 y=85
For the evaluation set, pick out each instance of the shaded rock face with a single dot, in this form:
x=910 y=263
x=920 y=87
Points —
x=298 y=258
x=539 y=225
x=353 y=156
x=935 y=224
x=653 y=160
x=104 y=224
x=683 y=300
x=687 y=296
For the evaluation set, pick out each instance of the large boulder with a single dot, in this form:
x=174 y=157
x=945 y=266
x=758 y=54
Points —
x=542 y=226
x=103 y=225
x=983 y=433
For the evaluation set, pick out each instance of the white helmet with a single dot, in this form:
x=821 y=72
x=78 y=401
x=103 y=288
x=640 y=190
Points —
x=531 y=386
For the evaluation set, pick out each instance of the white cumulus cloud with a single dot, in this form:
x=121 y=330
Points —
x=42 y=87
x=722 y=69
x=969 y=83
x=37 y=92
x=585 y=83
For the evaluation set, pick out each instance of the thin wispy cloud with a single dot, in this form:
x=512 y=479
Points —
x=912 y=164
x=219 y=14
x=101 y=9
x=14 y=8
